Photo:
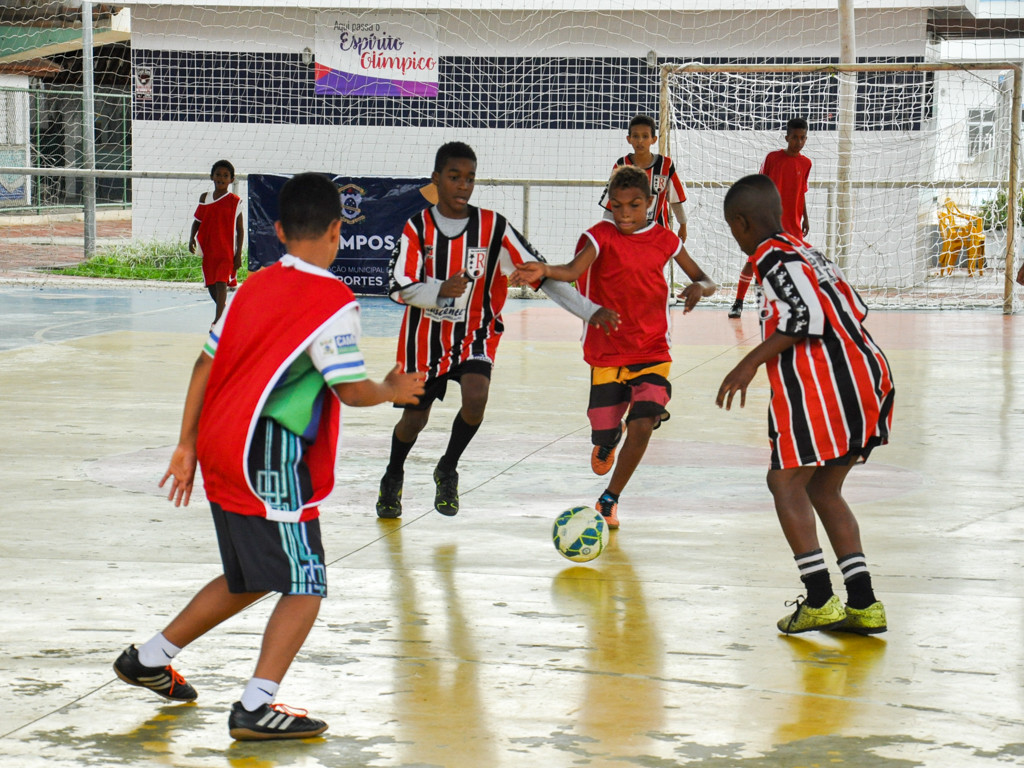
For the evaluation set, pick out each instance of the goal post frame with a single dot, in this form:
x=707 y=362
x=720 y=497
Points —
x=1017 y=74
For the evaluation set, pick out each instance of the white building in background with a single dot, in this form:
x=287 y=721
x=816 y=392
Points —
x=542 y=91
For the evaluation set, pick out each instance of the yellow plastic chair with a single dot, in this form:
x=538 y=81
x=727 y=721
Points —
x=960 y=232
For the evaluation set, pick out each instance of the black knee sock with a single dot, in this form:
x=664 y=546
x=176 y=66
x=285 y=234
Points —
x=814 y=575
x=462 y=433
x=399 y=453
x=859 y=593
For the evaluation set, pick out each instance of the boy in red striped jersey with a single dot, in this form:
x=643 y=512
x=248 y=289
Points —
x=451 y=270
x=666 y=188
x=832 y=401
x=622 y=263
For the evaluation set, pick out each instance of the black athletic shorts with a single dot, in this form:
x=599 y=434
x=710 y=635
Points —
x=261 y=555
x=434 y=389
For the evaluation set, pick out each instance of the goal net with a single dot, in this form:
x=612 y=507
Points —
x=924 y=183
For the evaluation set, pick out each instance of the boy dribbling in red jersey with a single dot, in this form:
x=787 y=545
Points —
x=620 y=265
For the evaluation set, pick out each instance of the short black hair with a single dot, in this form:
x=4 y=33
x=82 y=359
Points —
x=453 y=150
x=308 y=204
x=643 y=120
x=754 y=196
x=629 y=177
x=796 y=124
x=222 y=164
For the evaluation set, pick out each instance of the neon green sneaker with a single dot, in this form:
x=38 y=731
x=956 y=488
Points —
x=805 y=618
x=864 y=621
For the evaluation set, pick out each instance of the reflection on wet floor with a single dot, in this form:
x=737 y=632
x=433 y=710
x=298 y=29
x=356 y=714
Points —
x=468 y=641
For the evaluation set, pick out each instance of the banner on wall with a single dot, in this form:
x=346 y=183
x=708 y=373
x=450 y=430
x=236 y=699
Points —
x=375 y=55
x=373 y=211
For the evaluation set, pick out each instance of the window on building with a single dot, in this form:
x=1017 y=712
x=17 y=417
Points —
x=981 y=130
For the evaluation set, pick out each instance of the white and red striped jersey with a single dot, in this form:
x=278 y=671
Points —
x=832 y=392
x=666 y=187
x=435 y=339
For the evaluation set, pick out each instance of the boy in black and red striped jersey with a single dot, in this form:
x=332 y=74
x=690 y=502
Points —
x=666 y=188
x=451 y=271
x=621 y=263
x=832 y=401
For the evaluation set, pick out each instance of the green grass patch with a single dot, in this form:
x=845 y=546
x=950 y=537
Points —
x=169 y=262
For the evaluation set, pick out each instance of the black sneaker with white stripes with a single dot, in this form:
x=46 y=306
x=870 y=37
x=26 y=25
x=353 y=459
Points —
x=272 y=721
x=161 y=680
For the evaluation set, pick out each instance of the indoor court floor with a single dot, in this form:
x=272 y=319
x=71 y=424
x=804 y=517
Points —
x=469 y=642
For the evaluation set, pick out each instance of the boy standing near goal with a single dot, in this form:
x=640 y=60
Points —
x=789 y=169
x=262 y=416
x=450 y=271
x=831 y=404
x=621 y=264
x=219 y=231
x=666 y=188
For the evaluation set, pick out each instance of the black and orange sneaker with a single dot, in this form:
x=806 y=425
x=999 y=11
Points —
x=272 y=721
x=163 y=681
x=608 y=508
x=602 y=458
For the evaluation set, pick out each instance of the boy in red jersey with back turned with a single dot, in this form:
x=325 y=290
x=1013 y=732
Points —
x=262 y=416
x=789 y=170
x=832 y=399
x=621 y=264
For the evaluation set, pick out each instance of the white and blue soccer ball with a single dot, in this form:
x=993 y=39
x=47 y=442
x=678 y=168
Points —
x=580 y=534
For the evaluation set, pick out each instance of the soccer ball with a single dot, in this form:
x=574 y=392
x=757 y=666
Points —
x=579 y=534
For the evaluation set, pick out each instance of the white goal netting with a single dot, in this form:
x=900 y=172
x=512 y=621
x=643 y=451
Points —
x=928 y=171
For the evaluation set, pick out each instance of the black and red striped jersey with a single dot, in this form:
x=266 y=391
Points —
x=832 y=392
x=666 y=187
x=436 y=339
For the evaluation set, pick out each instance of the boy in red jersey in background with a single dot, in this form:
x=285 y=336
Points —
x=831 y=404
x=789 y=170
x=262 y=416
x=666 y=188
x=450 y=270
x=621 y=264
x=219 y=230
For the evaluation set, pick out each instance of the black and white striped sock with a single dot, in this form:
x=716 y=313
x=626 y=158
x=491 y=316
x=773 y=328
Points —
x=814 y=575
x=859 y=593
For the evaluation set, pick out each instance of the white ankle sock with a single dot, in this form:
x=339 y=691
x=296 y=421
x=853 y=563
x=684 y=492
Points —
x=259 y=692
x=158 y=652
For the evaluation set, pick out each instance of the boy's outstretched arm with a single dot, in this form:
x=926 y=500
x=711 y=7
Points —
x=183 y=461
x=397 y=387
x=702 y=285
x=740 y=377
x=535 y=271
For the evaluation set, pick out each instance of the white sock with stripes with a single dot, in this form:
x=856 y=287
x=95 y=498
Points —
x=259 y=692
x=158 y=651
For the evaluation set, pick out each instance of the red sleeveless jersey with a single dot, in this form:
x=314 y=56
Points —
x=274 y=317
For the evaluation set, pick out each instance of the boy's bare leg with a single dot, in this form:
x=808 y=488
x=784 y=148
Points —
x=825 y=491
x=793 y=507
x=286 y=631
x=411 y=424
x=638 y=435
x=219 y=294
x=475 y=390
x=211 y=605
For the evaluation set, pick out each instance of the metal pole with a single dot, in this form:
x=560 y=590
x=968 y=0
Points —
x=847 y=118
x=1012 y=190
x=88 y=131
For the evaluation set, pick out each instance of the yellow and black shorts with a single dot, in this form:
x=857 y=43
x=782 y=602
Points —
x=634 y=391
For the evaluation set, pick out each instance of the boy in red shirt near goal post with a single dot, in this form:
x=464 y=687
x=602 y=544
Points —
x=831 y=404
x=789 y=170
x=620 y=264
